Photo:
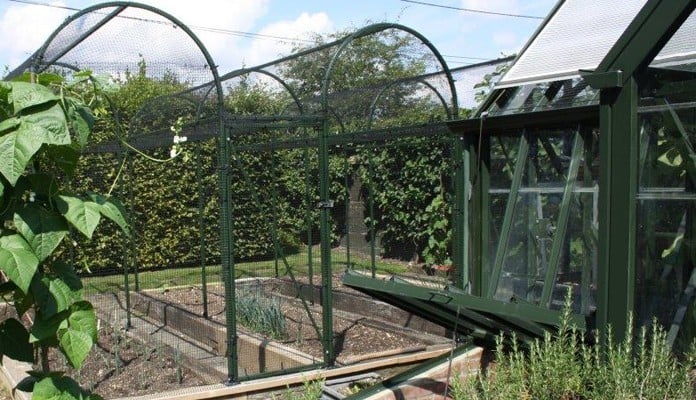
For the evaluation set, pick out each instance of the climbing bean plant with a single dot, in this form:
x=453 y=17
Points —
x=44 y=126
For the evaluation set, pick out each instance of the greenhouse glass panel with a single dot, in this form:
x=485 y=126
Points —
x=666 y=200
x=543 y=204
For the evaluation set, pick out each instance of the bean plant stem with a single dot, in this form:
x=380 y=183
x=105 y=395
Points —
x=44 y=359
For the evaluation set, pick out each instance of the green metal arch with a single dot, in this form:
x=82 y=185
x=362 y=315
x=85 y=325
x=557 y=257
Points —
x=375 y=28
x=371 y=110
x=285 y=85
x=37 y=58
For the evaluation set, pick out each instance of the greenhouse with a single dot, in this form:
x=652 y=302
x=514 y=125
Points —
x=340 y=210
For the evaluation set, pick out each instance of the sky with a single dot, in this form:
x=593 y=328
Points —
x=463 y=37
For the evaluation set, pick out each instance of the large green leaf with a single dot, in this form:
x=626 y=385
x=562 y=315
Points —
x=18 y=260
x=61 y=294
x=47 y=125
x=113 y=210
x=45 y=328
x=14 y=341
x=76 y=346
x=53 y=295
x=43 y=229
x=67 y=274
x=9 y=123
x=57 y=388
x=81 y=121
x=83 y=215
x=25 y=95
x=16 y=150
x=83 y=319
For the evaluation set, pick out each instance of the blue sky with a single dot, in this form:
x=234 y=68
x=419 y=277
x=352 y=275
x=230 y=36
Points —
x=463 y=37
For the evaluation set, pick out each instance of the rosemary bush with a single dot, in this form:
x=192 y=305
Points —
x=564 y=366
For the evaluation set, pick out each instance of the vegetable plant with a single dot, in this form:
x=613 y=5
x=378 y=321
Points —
x=45 y=123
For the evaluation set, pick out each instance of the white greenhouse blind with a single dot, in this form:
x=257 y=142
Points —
x=577 y=36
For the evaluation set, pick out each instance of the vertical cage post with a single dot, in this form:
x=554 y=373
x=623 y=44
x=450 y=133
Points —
x=308 y=215
x=130 y=244
x=226 y=249
x=201 y=228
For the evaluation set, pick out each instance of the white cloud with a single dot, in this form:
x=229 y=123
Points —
x=24 y=28
x=239 y=15
x=264 y=50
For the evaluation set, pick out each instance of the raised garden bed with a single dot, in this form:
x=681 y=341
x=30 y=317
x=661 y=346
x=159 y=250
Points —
x=357 y=337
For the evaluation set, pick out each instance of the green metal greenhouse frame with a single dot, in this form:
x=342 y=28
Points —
x=472 y=306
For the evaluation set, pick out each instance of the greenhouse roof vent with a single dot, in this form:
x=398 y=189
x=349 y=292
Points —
x=577 y=35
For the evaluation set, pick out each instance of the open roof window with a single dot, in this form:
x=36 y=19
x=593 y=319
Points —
x=577 y=35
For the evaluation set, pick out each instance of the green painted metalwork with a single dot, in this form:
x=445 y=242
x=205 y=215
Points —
x=325 y=203
x=481 y=272
x=419 y=80
x=454 y=298
x=308 y=215
x=456 y=317
x=617 y=207
x=589 y=241
x=324 y=199
x=501 y=253
x=562 y=222
x=460 y=212
x=650 y=30
x=536 y=249
x=371 y=206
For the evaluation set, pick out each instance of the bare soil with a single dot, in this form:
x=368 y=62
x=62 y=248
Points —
x=119 y=366
x=353 y=338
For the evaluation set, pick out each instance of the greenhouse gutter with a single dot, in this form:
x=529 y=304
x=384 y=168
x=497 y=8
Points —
x=517 y=122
